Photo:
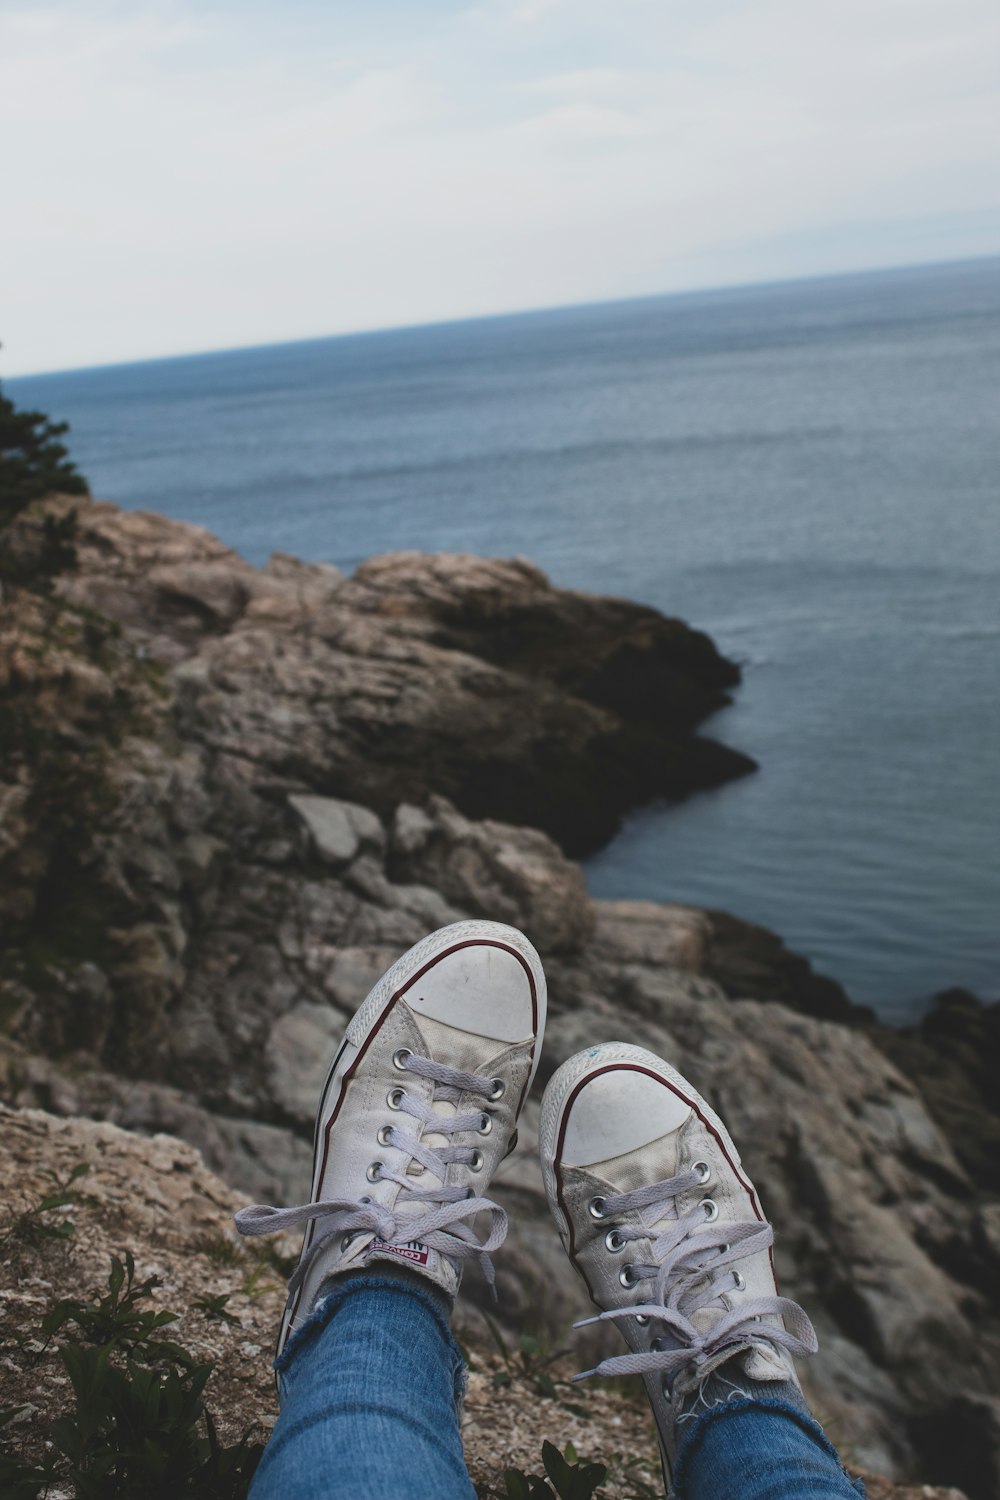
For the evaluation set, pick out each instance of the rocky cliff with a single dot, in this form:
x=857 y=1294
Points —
x=230 y=797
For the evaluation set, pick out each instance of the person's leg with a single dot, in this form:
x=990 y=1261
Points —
x=654 y=1208
x=371 y=1393
x=418 y=1111
x=756 y=1441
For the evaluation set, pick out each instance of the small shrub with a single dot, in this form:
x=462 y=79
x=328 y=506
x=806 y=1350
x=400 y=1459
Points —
x=213 y=1305
x=138 y=1428
x=566 y=1477
x=136 y=1432
x=33 y=462
x=115 y=1321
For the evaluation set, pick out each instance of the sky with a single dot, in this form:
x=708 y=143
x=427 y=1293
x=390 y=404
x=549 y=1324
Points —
x=184 y=175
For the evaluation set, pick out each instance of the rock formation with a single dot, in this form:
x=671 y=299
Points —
x=230 y=797
x=465 y=676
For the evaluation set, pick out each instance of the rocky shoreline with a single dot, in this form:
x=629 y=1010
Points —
x=230 y=796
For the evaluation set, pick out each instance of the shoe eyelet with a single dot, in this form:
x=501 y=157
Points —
x=723 y=1249
x=401 y=1057
x=394 y=1098
x=384 y=1136
x=740 y=1281
x=347 y=1240
x=470 y=1192
x=711 y=1209
x=365 y=1199
x=642 y=1319
x=626 y=1276
x=657 y=1346
x=704 y=1171
x=497 y=1091
x=614 y=1241
x=596 y=1208
x=485 y=1123
x=374 y=1172
x=476 y=1163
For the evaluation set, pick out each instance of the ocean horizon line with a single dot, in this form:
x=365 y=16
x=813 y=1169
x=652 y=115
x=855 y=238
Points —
x=688 y=294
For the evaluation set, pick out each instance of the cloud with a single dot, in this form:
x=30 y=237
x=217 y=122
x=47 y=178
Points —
x=195 y=177
x=583 y=83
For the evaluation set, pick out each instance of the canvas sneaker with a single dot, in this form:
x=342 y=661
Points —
x=659 y=1218
x=418 y=1110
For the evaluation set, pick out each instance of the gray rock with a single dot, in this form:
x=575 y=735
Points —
x=333 y=834
x=297 y=1057
x=389 y=685
x=411 y=829
x=510 y=875
x=989 y=1231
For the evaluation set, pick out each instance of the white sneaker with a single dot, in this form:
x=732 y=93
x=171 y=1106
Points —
x=418 y=1111
x=659 y=1218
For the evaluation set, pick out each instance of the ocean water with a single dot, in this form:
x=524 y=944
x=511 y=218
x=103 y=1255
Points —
x=810 y=472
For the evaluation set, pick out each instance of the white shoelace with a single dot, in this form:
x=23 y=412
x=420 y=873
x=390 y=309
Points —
x=443 y=1225
x=692 y=1271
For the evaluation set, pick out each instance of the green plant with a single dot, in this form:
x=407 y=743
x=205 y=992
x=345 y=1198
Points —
x=20 y=1480
x=255 y=1286
x=33 y=462
x=642 y=1475
x=219 y=1249
x=116 y=1321
x=566 y=1477
x=138 y=1428
x=213 y=1305
x=531 y=1361
x=34 y=1226
x=136 y=1432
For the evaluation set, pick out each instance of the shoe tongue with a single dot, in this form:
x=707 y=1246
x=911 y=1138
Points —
x=653 y=1162
x=756 y=1361
x=764 y=1362
x=463 y=1050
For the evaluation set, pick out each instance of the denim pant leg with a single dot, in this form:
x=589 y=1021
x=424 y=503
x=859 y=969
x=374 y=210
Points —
x=371 y=1391
x=760 y=1444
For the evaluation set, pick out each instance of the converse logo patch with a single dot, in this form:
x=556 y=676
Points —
x=411 y=1251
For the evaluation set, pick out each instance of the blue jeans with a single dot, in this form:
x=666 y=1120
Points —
x=371 y=1392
